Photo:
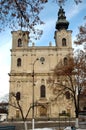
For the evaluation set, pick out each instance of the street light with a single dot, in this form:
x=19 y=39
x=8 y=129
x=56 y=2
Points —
x=42 y=59
x=33 y=95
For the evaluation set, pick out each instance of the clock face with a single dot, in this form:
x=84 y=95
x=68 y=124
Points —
x=42 y=59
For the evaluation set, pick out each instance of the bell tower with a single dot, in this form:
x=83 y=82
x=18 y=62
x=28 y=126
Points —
x=20 y=39
x=63 y=38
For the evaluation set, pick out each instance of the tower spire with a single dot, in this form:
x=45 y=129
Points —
x=61 y=23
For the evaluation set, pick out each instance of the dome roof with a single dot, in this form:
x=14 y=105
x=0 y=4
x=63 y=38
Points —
x=61 y=23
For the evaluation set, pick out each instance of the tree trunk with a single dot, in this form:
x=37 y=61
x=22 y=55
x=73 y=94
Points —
x=77 y=123
x=25 y=125
x=77 y=118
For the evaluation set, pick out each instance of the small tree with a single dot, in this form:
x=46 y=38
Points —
x=15 y=102
x=72 y=79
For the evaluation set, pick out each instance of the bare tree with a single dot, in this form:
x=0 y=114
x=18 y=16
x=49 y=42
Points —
x=15 y=102
x=81 y=36
x=63 y=1
x=21 y=13
x=70 y=77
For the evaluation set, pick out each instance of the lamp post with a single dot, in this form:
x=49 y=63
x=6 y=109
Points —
x=33 y=74
x=33 y=95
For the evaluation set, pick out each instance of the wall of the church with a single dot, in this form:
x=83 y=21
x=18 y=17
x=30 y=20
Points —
x=23 y=57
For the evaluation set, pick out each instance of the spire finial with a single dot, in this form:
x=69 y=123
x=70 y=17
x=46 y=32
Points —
x=60 y=2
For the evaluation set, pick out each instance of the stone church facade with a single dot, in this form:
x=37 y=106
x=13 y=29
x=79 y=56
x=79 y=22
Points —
x=31 y=67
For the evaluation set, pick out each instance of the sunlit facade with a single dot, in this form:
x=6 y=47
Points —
x=21 y=79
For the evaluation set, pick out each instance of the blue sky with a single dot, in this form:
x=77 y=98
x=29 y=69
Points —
x=74 y=14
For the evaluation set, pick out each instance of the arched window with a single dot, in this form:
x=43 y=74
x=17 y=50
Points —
x=42 y=91
x=67 y=94
x=63 y=42
x=65 y=61
x=19 y=42
x=19 y=62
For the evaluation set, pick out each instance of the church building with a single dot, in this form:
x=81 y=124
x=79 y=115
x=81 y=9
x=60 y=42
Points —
x=31 y=67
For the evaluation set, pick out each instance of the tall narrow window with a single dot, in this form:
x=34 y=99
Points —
x=19 y=42
x=63 y=42
x=65 y=61
x=42 y=91
x=19 y=62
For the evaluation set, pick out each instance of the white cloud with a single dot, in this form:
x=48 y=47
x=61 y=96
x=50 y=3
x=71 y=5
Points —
x=48 y=32
x=74 y=9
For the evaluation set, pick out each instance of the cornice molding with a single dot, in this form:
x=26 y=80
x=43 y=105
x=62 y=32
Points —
x=30 y=74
